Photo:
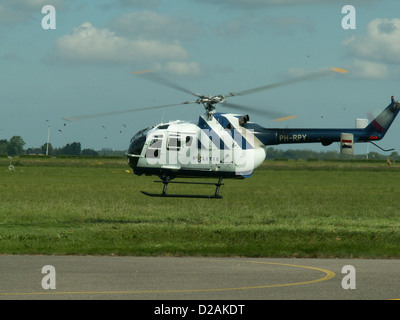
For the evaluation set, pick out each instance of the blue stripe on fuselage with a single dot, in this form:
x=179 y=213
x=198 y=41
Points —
x=214 y=137
x=234 y=133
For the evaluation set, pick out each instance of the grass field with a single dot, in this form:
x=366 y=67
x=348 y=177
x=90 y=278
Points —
x=287 y=209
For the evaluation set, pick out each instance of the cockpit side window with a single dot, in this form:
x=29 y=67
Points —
x=156 y=142
x=154 y=149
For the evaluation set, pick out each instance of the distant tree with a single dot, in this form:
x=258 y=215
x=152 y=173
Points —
x=394 y=155
x=33 y=151
x=44 y=148
x=290 y=154
x=89 y=152
x=273 y=153
x=3 y=146
x=73 y=149
x=15 y=146
x=330 y=155
x=376 y=156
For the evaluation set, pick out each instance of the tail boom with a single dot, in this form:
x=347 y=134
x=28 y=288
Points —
x=375 y=130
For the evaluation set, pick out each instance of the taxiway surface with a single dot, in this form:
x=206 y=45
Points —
x=183 y=278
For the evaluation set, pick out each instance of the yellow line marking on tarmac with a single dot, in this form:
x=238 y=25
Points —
x=328 y=275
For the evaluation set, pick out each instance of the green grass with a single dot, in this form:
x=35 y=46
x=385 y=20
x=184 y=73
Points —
x=287 y=209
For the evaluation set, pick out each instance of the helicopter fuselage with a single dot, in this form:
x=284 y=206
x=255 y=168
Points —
x=214 y=147
x=230 y=146
x=225 y=145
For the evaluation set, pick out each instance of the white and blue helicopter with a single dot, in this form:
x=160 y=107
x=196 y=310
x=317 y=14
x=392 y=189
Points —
x=225 y=145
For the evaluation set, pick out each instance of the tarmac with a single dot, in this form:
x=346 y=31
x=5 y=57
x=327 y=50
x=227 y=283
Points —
x=40 y=277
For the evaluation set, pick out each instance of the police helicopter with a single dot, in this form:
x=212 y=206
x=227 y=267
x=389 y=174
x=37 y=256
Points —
x=228 y=145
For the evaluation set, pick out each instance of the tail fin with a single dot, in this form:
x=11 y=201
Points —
x=380 y=125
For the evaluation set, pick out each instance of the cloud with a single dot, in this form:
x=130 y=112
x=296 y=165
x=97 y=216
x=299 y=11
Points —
x=139 y=3
x=90 y=45
x=150 y=24
x=32 y=4
x=380 y=43
x=284 y=25
x=369 y=70
x=178 y=68
x=251 y=4
x=111 y=4
x=10 y=16
x=144 y=38
x=259 y=4
x=376 y=53
x=19 y=11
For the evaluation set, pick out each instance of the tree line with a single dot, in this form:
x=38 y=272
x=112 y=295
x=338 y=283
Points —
x=274 y=154
x=15 y=147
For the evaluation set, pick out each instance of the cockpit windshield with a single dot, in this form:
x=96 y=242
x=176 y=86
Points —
x=141 y=133
x=137 y=142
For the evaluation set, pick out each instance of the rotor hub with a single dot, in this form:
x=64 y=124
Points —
x=210 y=102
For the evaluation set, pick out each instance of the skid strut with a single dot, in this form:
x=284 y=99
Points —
x=167 y=181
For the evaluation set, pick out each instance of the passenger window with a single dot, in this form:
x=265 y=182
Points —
x=174 y=143
x=189 y=140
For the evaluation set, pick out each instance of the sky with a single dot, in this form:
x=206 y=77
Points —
x=84 y=64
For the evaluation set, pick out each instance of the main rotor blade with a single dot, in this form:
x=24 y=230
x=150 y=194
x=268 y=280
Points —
x=151 y=76
x=286 y=82
x=277 y=116
x=111 y=113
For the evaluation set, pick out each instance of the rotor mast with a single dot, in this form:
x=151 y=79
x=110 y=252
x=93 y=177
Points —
x=209 y=103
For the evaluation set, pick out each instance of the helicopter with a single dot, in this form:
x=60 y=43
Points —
x=228 y=145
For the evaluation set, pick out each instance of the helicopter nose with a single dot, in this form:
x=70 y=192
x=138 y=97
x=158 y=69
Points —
x=134 y=151
x=136 y=146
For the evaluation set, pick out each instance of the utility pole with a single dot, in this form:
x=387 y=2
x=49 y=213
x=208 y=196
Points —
x=48 y=140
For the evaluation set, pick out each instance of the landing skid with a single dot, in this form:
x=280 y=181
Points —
x=165 y=194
